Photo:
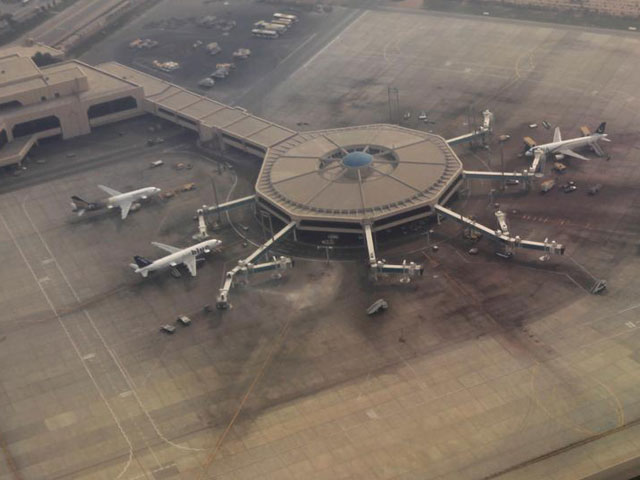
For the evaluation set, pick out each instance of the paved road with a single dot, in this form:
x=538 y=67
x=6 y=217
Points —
x=68 y=21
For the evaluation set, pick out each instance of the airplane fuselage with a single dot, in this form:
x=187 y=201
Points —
x=176 y=258
x=570 y=144
x=132 y=196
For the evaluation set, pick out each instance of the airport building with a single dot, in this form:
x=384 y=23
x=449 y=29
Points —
x=333 y=180
x=342 y=179
x=60 y=100
x=356 y=180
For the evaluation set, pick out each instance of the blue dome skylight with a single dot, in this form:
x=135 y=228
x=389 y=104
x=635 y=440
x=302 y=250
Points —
x=357 y=159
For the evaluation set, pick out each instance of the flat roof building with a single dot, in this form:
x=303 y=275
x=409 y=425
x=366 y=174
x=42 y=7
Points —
x=60 y=100
x=341 y=179
x=332 y=180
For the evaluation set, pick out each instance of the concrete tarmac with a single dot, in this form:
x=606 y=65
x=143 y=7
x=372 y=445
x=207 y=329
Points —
x=484 y=368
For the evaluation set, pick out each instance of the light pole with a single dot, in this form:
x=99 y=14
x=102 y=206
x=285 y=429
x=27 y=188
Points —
x=216 y=224
x=502 y=139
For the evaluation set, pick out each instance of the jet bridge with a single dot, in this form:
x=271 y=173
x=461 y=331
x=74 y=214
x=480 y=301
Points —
x=524 y=176
x=407 y=270
x=482 y=132
x=223 y=207
x=500 y=236
x=246 y=266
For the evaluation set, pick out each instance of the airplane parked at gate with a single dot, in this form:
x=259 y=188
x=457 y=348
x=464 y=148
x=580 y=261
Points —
x=123 y=201
x=561 y=148
x=186 y=256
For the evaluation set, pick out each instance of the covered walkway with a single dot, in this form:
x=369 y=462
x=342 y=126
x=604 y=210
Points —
x=14 y=152
x=232 y=126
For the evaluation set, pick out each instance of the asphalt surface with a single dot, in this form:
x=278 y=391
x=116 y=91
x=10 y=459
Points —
x=66 y=22
x=271 y=61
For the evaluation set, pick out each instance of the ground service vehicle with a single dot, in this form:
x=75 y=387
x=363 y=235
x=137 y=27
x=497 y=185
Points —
x=170 y=329
x=261 y=33
x=270 y=26
x=293 y=18
x=282 y=21
x=559 y=167
x=529 y=142
x=377 y=306
x=547 y=185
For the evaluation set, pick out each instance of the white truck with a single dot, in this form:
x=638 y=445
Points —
x=280 y=29
x=288 y=16
x=261 y=33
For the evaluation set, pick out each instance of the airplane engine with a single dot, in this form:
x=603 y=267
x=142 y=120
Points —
x=559 y=156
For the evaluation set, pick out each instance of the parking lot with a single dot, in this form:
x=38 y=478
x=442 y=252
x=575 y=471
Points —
x=175 y=28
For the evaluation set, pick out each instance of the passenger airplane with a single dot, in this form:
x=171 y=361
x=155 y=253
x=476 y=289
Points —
x=186 y=256
x=560 y=147
x=117 y=199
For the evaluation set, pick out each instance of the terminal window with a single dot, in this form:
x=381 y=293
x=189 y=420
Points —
x=112 y=106
x=35 y=126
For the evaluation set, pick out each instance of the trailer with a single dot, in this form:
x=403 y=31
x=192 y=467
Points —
x=262 y=33
x=270 y=26
x=287 y=16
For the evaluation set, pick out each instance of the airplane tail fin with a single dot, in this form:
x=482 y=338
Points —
x=557 y=136
x=601 y=127
x=79 y=205
x=78 y=201
x=141 y=262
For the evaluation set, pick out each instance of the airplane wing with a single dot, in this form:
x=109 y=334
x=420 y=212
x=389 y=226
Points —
x=571 y=153
x=109 y=191
x=190 y=262
x=596 y=148
x=165 y=247
x=124 y=209
x=557 y=137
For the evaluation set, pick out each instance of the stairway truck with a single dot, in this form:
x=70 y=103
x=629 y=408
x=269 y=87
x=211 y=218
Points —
x=547 y=185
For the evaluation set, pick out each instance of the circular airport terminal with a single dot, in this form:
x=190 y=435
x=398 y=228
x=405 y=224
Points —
x=342 y=179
